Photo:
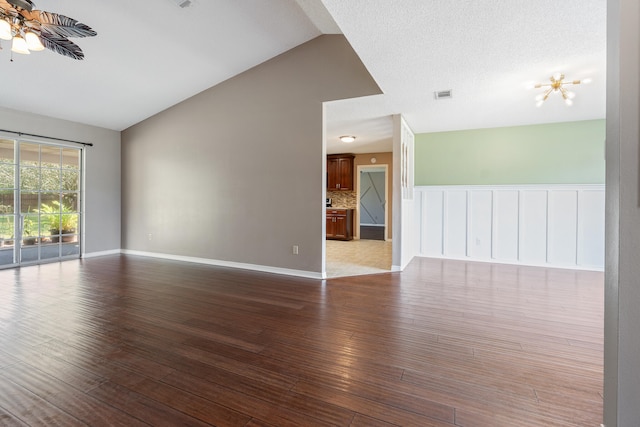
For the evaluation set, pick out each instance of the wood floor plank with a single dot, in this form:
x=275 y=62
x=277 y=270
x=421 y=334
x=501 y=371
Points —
x=126 y=340
x=31 y=409
x=9 y=420
x=76 y=377
x=375 y=409
x=258 y=423
x=141 y=407
x=68 y=399
x=364 y=421
x=7 y=359
x=277 y=408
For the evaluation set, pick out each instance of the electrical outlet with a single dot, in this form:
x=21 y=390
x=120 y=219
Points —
x=295 y=249
x=149 y=236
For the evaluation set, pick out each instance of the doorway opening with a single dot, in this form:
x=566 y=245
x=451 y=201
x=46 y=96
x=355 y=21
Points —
x=364 y=254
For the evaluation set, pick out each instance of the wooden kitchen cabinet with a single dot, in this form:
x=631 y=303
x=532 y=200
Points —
x=340 y=172
x=339 y=224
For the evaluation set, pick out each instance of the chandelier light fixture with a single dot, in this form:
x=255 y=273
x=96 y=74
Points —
x=558 y=85
x=32 y=30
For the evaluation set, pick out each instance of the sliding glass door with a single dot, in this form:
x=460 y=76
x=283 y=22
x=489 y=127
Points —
x=39 y=202
x=8 y=215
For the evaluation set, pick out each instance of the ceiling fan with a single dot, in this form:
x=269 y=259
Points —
x=34 y=30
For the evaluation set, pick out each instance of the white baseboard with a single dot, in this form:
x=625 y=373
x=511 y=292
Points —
x=220 y=263
x=522 y=264
x=101 y=253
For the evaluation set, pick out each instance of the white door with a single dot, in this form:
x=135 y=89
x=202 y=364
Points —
x=372 y=203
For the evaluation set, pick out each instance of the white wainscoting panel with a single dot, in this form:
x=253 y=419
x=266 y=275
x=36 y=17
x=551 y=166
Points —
x=533 y=227
x=505 y=225
x=563 y=228
x=543 y=225
x=591 y=228
x=455 y=223
x=431 y=222
x=480 y=226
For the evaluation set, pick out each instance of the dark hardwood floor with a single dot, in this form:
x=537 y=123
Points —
x=132 y=341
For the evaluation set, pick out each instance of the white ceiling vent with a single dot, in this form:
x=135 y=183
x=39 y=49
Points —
x=183 y=4
x=443 y=94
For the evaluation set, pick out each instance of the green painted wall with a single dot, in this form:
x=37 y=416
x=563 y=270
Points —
x=557 y=153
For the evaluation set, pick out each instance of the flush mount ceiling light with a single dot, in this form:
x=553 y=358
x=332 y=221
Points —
x=558 y=85
x=34 y=30
x=347 y=138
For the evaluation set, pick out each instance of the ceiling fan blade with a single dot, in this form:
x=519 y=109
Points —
x=61 y=45
x=22 y=4
x=6 y=7
x=60 y=25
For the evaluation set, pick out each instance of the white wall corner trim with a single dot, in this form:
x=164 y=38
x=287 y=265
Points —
x=220 y=263
x=539 y=225
x=405 y=243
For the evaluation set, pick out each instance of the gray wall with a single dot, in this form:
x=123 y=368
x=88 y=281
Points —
x=236 y=173
x=622 y=270
x=102 y=172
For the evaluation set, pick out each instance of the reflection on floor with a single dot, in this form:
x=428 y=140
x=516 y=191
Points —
x=29 y=253
x=356 y=257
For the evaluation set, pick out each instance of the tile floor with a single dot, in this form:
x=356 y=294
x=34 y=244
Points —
x=356 y=257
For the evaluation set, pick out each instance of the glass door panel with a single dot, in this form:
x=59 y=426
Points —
x=7 y=241
x=40 y=217
x=7 y=175
x=70 y=201
x=58 y=203
x=30 y=245
x=71 y=158
x=8 y=226
x=30 y=184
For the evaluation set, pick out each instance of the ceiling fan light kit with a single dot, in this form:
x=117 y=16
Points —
x=19 y=45
x=558 y=85
x=33 y=42
x=32 y=30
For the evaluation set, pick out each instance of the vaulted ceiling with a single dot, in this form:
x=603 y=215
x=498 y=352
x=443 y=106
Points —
x=152 y=54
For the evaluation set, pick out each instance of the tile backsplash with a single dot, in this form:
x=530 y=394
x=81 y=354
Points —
x=343 y=199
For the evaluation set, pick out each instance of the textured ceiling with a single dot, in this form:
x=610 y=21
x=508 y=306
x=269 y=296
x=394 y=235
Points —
x=486 y=51
x=151 y=54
